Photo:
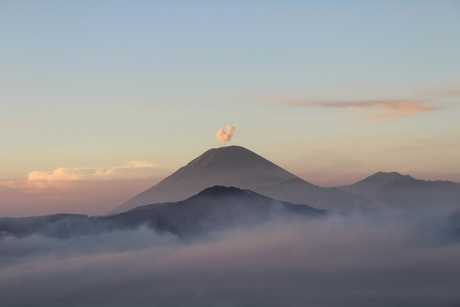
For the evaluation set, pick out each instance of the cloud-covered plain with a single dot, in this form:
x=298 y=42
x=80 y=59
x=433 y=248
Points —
x=382 y=109
x=340 y=261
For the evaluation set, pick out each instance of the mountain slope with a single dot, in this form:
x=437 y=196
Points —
x=298 y=191
x=226 y=166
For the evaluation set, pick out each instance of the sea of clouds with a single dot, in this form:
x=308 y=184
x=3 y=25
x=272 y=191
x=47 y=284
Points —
x=391 y=259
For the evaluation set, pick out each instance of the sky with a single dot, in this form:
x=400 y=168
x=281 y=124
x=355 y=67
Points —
x=99 y=100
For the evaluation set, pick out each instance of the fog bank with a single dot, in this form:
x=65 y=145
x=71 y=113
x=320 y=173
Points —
x=373 y=260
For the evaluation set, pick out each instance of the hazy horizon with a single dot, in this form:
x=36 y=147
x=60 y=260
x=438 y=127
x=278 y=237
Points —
x=74 y=191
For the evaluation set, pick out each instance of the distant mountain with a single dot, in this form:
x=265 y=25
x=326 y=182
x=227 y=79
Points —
x=404 y=190
x=212 y=209
x=239 y=167
x=376 y=182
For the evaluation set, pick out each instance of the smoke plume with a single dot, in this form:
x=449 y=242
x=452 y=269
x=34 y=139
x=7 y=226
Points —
x=225 y=136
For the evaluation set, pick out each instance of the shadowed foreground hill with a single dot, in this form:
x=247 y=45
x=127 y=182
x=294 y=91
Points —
x=212 y=209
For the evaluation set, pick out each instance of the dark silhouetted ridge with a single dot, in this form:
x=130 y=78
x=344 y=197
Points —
x=214 y=208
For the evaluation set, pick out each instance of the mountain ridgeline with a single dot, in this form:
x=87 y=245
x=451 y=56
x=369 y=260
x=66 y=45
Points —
x=239 y=167
x=226 y=166
x=404 y=191
x=232 y=186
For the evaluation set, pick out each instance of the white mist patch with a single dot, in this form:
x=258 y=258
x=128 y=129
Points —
x=225 y=136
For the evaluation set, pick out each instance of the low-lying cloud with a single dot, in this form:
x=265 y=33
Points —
x=134 y=169
x=64 y=178
x=384 y=108
x=86 y=190
x=340 y=261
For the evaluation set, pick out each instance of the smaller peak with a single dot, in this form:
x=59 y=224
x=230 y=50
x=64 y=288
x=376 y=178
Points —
x=390 y=176
x=219 y=189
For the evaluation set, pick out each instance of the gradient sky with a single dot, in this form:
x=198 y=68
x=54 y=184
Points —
x=101 y=99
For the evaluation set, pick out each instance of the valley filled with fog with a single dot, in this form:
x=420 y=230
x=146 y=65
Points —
x=375 y=259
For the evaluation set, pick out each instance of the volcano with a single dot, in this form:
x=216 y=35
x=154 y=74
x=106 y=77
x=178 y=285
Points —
x=238 y=167
x=405 y=191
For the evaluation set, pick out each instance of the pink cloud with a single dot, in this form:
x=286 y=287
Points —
x=385 y=108
x=133 y=170
x=85 y=190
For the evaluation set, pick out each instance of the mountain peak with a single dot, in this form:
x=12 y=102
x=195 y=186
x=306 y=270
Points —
x=389 y=176
x=227 y=152
x=219 y=189
x=224 y=166
x=229 y=161
x=375 y=182
x=229 y=148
